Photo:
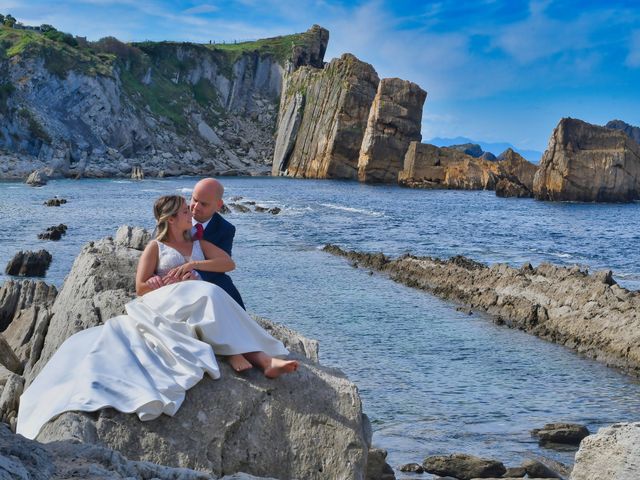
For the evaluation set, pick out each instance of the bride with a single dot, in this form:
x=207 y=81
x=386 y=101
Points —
x=144 y=361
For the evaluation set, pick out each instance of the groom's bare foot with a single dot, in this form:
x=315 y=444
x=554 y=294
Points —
x=279 y=366
x=239 y=363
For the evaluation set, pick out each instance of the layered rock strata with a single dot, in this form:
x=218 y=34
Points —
x=632 y=132
x=114 y=109
x=588 y=313
x=305 y=425
x=323 y=116
x=394 y=122
x=428 y=166
x=588 y=163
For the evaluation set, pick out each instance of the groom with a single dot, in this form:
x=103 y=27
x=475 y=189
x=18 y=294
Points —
x=206 y=200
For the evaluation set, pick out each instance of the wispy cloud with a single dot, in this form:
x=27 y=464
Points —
x=633 y=58
x=205 y=8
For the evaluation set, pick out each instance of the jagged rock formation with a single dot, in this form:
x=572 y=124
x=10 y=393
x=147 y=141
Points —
x=394 y=122
x=588 y=313
x=427 y=166
x=29 y=264
x=309 y=425
x=632 y=132
x=614 y=452
x=323 y=116
x=26 y=459
x=588 y=163
x=98 y=110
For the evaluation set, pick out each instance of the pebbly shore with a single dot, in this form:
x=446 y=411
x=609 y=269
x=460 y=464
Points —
x=589 y=313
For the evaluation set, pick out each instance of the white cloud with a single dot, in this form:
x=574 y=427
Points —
x=205 y=8
x=633 y=58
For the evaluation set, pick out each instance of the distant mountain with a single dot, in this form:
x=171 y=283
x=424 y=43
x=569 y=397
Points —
x=533 y=156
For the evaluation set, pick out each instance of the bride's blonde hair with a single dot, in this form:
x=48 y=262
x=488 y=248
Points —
x=165 y=208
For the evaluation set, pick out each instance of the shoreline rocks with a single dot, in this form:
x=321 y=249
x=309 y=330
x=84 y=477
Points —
x=53 y=233
x=613 y=452
x=588 y=313
x=29 y=264
x=563 y=433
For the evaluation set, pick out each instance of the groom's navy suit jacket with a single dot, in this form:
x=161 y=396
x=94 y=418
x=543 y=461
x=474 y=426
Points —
x=221 y=233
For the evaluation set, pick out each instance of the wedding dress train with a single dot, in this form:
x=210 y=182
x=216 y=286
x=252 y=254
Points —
x=144 y=361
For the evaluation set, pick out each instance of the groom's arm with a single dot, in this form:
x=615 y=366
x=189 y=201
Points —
x=225 y=241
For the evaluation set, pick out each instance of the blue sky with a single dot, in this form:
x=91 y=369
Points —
x=494 y=70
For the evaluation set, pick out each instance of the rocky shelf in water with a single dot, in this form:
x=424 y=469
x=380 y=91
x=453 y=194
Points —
x=588 y=313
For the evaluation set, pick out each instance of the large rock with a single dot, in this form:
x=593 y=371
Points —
x=565 y=433
x=394 y=122
x=25 y=459
x=304 y=425
x=323 y=116
x=588 y=163
x=428 y=166
x=613 y=452
x=29 y=264
x=514 y=165
x=463 y=467
x=37 y=178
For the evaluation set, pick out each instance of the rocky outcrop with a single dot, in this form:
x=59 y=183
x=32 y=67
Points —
x=53 y=233
x=613 y=452
x=37 y=178
x=21 y=458
x=588 y=163
x=586 y=312
x=323 y=116
x=564 y=433
x=55 y=202
x=394 y=122
x=632 y=132
x=309 y=425
x=29 y=264
x=428 y=166
x=463 y=467
x=167 y=107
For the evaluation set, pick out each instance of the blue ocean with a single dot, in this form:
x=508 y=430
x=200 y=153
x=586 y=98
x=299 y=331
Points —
x=433 y=380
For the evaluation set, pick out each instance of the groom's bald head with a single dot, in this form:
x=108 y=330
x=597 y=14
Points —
x=206 y=199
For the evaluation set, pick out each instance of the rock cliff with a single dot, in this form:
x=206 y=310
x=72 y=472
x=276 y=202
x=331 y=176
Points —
x=588 y=163
x=104 y=108
x=308 y=425
x=394 y=122
x=323 y=116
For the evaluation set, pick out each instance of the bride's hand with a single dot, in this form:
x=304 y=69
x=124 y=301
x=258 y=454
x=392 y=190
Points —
x=155 y=282
x=180 y=272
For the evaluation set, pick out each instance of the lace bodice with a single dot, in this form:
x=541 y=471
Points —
x=169 y=257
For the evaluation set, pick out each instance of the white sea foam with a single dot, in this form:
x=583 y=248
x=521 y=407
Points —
x=185 y=190
x=371 y=213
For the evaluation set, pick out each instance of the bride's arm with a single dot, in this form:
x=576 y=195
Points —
x=217 y=260
x=146 y=280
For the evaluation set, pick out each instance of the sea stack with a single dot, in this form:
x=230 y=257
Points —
x=588 y=163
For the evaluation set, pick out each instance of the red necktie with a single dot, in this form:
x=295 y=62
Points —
x=199 y=231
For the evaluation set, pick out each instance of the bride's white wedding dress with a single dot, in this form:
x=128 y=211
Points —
x=144 y=361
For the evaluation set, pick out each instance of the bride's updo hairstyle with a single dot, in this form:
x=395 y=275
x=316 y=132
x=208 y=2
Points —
x=165 y=208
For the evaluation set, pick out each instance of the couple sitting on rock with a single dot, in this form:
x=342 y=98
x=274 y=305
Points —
x=144 y=361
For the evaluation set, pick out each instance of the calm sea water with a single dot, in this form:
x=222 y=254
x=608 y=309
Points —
x=433 y=380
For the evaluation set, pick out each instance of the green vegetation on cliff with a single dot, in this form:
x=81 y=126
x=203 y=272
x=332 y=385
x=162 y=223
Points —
x=279 y=47
x=59 y=55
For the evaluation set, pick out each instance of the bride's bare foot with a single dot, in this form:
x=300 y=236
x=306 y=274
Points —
x=239 y=363
x=279 y=366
